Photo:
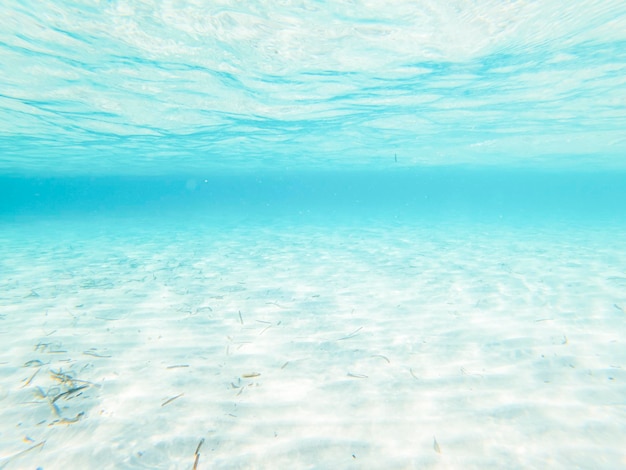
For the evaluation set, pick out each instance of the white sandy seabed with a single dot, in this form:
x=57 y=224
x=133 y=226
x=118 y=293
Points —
x=311 y=346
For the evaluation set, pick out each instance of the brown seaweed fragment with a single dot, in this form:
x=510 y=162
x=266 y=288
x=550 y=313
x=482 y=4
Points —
x=170 y=400
x=197 y=454
x=351 y=335
x=251 y=375
x=8 y=460
x=436 y=445
x=76 y=419
x=69 y=392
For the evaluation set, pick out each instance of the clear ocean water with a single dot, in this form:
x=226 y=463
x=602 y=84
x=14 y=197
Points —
x=312 y=234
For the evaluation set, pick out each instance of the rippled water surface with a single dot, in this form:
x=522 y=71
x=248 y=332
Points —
x=312 y=234
x=151 y=87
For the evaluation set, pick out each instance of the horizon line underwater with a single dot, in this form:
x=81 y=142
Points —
x=312 y=234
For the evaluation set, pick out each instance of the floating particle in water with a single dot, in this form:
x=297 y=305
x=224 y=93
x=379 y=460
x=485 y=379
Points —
x=436 y=445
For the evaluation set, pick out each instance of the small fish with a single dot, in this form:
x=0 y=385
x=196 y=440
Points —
x=251 y=375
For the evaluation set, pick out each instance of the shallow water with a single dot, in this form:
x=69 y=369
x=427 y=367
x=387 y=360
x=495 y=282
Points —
x=313 y=345
x=308 y=235
x=125 y=87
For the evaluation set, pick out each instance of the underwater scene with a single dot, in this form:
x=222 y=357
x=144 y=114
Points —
x=312 y=234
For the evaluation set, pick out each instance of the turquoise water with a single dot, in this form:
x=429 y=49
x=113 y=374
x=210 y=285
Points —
x=310 y=234
x=193 y=87
x=501 y=196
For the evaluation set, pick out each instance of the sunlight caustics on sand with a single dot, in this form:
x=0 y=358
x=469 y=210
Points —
x=312 y=346
x=312 y=234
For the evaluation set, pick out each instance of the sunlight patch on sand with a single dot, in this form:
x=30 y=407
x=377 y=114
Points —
x=390 y=347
